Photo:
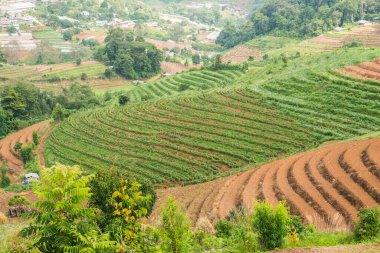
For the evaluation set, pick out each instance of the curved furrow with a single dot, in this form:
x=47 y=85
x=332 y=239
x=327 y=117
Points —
x=371 y=158
x=232 y=197
x=254 y=187
x=343 y=181
x=296 y=202
x=333 y=196
x=356 y=169
x=302 y=184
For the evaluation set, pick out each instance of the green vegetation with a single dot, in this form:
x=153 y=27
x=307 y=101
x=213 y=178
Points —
x=195 y=80
x=202 y=136
x=130 y=57
x=297 y=19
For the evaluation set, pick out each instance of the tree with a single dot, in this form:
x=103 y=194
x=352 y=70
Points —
x=78 y=61
x=11 y=29
x=196 y=59
x=174 y=228
x=270 y=224
x=176 y=32
x=63 y=222
x=124 y=66
x=36 y=140
x=57 y=113
x=67 y=35
x=4 y=180
x=368 y=225
x=108 y=73
x=123 y=99
x=12 y=101
x=83 y=76
x=26 y=153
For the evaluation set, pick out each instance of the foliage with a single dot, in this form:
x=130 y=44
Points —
x=78 y=96
x=11 y=29
x=36 y=140
x=130 y=205
x=368 y=225
x=270 y=224
x=62 y=221
x=355 y=43
x=57 y=113
x=223 y=228
x=18 y=200
x=295 y=19
x=196 y=59
x=26 y=153
x=83 y=76
x=131 y=58
x=4 y=180
x=123 y=99
x=174 y=228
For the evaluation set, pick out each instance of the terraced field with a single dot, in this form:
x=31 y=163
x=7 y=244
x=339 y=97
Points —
x=365 y=70
x=7 y=153
x=202 y=136
x=325 y=186
x=195 y=80
x=53 y=38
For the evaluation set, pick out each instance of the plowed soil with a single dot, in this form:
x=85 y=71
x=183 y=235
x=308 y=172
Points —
x=9 y=155
x=325 y=186
x=365 y=70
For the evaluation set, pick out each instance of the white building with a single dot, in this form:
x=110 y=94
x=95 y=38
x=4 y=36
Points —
x=24 y=41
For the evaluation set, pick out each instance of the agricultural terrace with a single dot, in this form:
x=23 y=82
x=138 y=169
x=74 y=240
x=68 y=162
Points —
x=325 y=186
x=54 y=38
x=365 y=70
x=202 y=136
x=193 y=80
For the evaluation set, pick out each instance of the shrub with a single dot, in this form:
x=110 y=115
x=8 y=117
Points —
x=18 y=200
x=78 y=61
x=63 y=222
x=36 y=140
x=183 y=87
x=4 y=180
x=174 y=228
x=3 y=218
x=108 y=73
x=270 y=224
x=26 y=153
x=123 y=99
x=17 y=146
x=368 y=225
x=223 y=229
x=83 y=76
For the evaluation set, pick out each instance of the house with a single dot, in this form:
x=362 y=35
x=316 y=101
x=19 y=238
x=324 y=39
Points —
x=13 y=10
x=85 y=13
x=23 y=41
x=127 y=24
x=101 y=23
x=30 y=177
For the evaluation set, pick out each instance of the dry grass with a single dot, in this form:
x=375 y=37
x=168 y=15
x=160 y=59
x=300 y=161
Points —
x=3 y=219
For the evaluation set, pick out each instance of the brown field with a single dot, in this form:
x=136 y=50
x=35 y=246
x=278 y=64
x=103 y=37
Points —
x=99 y=36
x=241 y=54
x=9 y=155
x=325 y=187
x=365 y=70
x=172 y=67
x=370 y=248
x=167 y=44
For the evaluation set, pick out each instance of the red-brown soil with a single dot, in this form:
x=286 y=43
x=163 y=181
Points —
x=241 y=54
x=325 y=186
x=172 y=67
x=8 y=154
x=365 y=70
x=370 y=248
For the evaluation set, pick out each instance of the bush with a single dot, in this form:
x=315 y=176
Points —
x=270 y=224
x=223 y=229
x=18 y=200
x=26 y=153
x=5 y=182
x=83 y=76
x=108 y=73
x=123 y=99
x=3 y=218
x=78 y=61
x=174 y=228
x=183 y=87
x=36 y=140
x=17 y=146
x=368 y=225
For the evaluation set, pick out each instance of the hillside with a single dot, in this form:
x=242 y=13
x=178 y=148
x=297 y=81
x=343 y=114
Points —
x=206 y=135
x=325 y=186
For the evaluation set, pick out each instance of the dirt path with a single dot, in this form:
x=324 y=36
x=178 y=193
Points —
x=7 y=144
x=370 y=248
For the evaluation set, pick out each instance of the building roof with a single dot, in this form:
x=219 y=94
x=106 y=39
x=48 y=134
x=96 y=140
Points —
x=32 y=175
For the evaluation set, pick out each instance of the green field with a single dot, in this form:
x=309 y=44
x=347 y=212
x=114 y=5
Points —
x=204 y=135
x=195 y=80
x=53 y=37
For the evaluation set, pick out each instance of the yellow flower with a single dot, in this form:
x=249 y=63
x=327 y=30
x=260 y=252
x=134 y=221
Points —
x=116 y=212
x=124 y=188
x=115 y=194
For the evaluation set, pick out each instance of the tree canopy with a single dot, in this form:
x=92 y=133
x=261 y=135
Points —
x=297 y=18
